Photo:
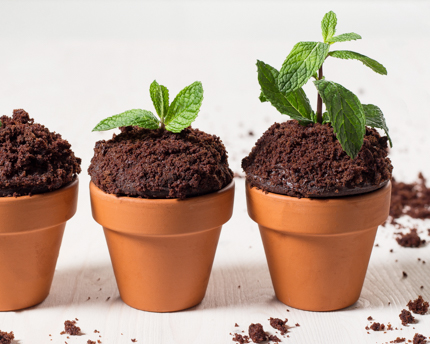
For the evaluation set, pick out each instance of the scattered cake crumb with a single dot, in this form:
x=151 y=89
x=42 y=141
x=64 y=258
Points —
x=71 y=328
x=6 y=337
x=279 y=325
x=108 y=298
x=377 y=326
x=256 y=333
x=398 y=340
x=297 y=325
x=410 y=239
x=134 y=340
x=369 y=318
x=419 y=339
x=418 y=306
x=406 y=317
x=240 y=339
x=236 y=325
x=405 y=274
x=91 y=342
x=274 y=338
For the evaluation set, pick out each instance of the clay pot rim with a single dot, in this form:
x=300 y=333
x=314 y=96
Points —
x=159 y=201
x=36 y=197
x=332 y=200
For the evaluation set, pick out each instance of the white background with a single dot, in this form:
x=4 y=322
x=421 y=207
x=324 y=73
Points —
x=73 y=63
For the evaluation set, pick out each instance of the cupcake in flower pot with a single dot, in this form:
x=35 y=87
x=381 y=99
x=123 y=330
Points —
x=38 y=194
x=318 y=185
x=162 y=191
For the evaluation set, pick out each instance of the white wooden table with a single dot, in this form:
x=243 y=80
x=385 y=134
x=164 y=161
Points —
x=70 y=64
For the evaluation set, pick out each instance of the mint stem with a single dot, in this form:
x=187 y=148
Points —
x=319 y=101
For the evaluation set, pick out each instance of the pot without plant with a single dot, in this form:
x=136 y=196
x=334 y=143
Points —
x=318 y=250
x=30 y=238
x=162 y=250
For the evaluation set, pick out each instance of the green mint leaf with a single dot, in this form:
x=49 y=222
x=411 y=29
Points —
x=345 y=37
x=136 y=117
x=302 y=62
x=326 y=118
x=328 y=25
x=367 y=61
x=375 y=119
x=294 y=104
x=184 y=108
x=346 y=115
x=262 y=97
x=160 y=98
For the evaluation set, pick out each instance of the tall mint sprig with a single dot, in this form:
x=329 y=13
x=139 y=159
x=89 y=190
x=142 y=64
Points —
x=346 y=114
x=173 y=117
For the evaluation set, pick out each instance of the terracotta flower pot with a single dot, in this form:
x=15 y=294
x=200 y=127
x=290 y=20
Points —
x=31 y=231
x=162 y=250
x=318 y=250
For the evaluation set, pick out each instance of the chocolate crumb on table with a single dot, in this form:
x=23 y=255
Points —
x=297 y=325
x=410 y=239
x=406 y=317
x=134 y=340
x=256 y=333
x=398 y=340
x=419 y=339
x=240 y=339
x=410 y=199
x=236 y=325
x=71 y=328
x=274 y=338
x=6 y=337
x=91 y=341
x=418 y=306
x=377 y=327
x=279 y=325
x=404 y=274
x=369 y=318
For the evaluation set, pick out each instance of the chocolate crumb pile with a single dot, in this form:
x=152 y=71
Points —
x=410 y=199
x=71 y=328
x=160 y=164
x=256 y=333
x=406 y=317
x=309 y=161
x=410 y=239
x=419 y=339
x=6 y=337
x=33 y=159
x=418 y=306
x=279 y=325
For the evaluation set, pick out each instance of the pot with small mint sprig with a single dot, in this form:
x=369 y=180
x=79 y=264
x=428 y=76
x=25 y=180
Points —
x=318 y=185
x=162 y=191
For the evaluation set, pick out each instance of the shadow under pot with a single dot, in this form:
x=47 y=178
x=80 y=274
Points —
x=318 y=250
x=162 y=250
x=31 y=232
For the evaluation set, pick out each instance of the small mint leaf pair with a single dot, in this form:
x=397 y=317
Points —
x=345 y=113
x=173 y=117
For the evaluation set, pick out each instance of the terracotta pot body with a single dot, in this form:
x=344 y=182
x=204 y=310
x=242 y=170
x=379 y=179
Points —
x=318 y=250
x=31 y=231
x=162 y=250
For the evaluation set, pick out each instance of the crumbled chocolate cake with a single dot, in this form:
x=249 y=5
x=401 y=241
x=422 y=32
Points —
x=410 y=199
x=410 y=239
x=419 y=339
x=91 y=341
x=377 y=327
x=299 y=161
x=160 y=164
x=71 y=328
x=240 y=339
x=32 y=159
x=6 y=337
x=398 y=340
x=418 y=306
x=279 y=325
x=406 y=317
x=274 y=338
x=256 y=333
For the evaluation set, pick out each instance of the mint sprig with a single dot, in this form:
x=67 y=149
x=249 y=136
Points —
x=173 y=117
x=344 y=111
